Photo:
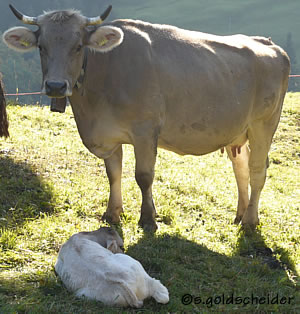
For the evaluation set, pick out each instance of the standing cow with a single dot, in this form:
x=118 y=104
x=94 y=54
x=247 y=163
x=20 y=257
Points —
x=152 y=86
x=3 y=114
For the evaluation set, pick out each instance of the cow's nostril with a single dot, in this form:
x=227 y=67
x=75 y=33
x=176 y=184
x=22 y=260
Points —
x=55 y=89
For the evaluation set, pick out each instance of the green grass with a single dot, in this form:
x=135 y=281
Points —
x=52 y=187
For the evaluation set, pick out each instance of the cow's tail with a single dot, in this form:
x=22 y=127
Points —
x=158 y=291
x=3 y=114
x=264 y=40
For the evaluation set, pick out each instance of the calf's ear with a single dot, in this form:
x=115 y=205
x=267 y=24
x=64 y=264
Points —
x=112 y=246
x=20 y=39
x=105 y=38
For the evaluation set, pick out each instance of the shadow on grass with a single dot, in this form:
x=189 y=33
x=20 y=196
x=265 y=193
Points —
x=186 y=267
x=253 y=245
x=23 y=195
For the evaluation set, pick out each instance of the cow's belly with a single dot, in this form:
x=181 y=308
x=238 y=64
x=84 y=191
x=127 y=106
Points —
x=199 y=133
x=201 y=144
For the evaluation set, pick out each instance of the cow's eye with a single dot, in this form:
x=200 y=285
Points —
x=41 y=48
x=79 y=47
x=43 y=51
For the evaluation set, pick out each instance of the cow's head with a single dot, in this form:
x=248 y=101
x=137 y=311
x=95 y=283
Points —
x=61 y=37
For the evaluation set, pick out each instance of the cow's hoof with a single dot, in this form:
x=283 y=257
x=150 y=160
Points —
x=148 y=226
x=248 y=230
x=111 y=219
x=250 y=219
x=237 y=220
x=252 y=223
x=250 y=227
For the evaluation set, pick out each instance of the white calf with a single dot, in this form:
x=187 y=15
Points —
x=88 y=267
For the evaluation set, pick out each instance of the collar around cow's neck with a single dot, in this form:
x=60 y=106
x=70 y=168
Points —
x=79 y=81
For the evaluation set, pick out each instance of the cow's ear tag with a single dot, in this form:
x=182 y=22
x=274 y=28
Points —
x=103 y=42
x=25 y=43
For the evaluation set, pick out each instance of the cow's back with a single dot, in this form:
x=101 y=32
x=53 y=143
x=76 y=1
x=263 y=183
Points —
x=208 y=81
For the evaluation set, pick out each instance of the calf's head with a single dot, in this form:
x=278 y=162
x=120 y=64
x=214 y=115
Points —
x=61 y=38
x=107 y=237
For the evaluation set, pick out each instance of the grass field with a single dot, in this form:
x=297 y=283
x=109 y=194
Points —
x=52 y=187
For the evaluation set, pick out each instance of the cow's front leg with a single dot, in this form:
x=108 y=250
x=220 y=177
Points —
x=145 y=154
x=113 y=166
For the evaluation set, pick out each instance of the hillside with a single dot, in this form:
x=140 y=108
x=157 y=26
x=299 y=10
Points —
x=270 y=18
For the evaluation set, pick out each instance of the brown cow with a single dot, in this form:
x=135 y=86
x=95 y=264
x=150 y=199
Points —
x=154 y=85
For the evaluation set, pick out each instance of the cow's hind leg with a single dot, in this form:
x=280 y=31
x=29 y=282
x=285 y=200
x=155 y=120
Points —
x=260 y=136
x=113 y=166
x=145 y=150
x=240 y=159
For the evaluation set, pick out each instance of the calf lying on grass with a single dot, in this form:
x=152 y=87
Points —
x=88 y=267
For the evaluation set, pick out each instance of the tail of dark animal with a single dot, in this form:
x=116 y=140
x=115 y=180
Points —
x=3 y=114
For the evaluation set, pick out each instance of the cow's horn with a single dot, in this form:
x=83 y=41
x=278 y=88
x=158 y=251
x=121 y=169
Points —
x=24 y=18
x=99 y=19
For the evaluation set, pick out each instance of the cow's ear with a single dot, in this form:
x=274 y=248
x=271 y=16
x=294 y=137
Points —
x=105 y=38
x=20 y=39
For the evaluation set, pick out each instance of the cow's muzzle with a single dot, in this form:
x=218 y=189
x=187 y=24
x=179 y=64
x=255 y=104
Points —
x=56 y=88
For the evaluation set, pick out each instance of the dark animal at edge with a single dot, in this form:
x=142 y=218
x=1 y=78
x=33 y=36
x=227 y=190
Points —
x=3 y=114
